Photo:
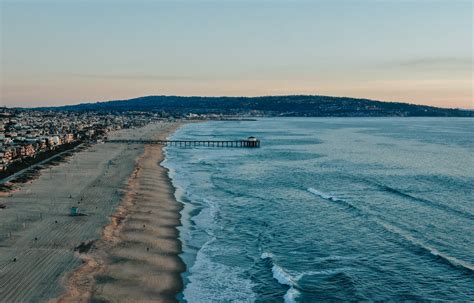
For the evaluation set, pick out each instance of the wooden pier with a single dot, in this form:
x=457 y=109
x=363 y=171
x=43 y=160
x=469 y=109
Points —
x=249 y=143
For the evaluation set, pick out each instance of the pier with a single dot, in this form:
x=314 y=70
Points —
x=251 y=142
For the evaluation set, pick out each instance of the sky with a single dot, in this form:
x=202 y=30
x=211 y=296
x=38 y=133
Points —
x=73 y=51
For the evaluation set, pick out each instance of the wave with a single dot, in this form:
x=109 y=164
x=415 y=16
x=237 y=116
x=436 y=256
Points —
x=323 y=195
x=447 y=259
x=282 y=276
x=437 y=205
x=266 y=255
x=213 y=208
x=285 y=277
x=211 y=281
x=332 y=198
x=453 y=261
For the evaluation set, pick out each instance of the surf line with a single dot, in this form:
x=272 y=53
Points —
x=450 y=260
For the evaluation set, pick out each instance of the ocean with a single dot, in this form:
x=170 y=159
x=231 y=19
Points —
x=328 y=209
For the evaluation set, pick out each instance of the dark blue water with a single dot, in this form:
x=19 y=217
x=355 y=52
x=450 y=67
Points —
x=328 y=209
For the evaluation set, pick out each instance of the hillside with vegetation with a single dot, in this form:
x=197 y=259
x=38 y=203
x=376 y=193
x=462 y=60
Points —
x=287 y=106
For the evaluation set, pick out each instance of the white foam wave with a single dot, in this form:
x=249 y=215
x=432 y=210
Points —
x=206 y=218
x=291 y=295
x=211 y=281
x=325 y=272
x=324 y=195
x=332 y=198
x=283 y=277
x=266 y=255
x=213 y=208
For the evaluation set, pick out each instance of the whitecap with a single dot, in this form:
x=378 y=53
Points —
x=266 y=255
x=291 y=295
x=323 y=195
x=283 y=277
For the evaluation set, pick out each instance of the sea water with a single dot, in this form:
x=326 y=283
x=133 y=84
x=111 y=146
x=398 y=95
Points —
x=328 y=209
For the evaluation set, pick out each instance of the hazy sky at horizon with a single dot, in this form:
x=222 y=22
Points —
x=72 y=51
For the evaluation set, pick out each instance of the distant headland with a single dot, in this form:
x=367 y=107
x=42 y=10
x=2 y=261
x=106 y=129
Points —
x=272 y=106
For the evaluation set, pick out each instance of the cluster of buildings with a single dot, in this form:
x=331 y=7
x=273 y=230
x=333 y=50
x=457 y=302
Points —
x=24 y=134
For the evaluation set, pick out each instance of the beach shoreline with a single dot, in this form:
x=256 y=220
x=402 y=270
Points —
x=137 y=256
x=128 y=226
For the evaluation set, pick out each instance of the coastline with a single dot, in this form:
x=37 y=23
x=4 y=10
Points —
x=137 y=257
x=41 y=246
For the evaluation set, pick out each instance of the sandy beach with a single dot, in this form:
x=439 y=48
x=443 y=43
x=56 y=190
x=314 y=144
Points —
x=124 y=248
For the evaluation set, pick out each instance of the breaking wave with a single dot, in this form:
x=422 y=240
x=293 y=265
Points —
x=286 y=277
x=332 y=198
x=447 y=259
x=212 y=281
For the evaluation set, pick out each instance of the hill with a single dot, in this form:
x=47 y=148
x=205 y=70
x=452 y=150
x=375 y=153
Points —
x=288 y=106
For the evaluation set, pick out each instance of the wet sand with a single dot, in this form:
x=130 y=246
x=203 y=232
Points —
x=134 y=257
